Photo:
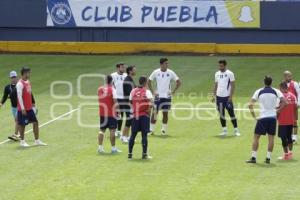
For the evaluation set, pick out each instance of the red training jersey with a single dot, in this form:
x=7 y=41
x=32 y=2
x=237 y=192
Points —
x=287 y=116
x=106 y=96
x=292 y=89
x=26 y=95
x=141 y=101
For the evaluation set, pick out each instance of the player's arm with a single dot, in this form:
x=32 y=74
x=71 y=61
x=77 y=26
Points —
x=33 y=99
x=19 y=88
x=232 y=89
x=116 y=104
x=297 y=88
x=214 y=92
x=150 y=79
x=178 y=84
x=251 y=107
x=232 y=84
x=4 y=97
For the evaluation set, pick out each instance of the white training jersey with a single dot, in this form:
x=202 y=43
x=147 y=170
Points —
x=163 y=81
x=118 y=80
x=224 y=79
x=268 y=98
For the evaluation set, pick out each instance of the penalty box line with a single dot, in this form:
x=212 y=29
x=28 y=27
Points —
x=46 y=123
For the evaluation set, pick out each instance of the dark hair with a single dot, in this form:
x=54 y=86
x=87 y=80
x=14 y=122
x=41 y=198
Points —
x=268 y=80
x=163 y=60
x=129 y=69
x=119 y=64
x=283 y=85
x=108 y=79
x=25 y=70
x=143 y=80
x=223 y=61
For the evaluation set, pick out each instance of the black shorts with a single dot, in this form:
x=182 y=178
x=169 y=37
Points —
x=163 y=104
x=24 y=120
x=141 y=123
x=108 y=122
x=285 y=131
x=266 y=126
x=124 y=105
x=223 y=103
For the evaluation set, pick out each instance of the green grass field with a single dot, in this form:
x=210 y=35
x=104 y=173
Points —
x=191 y=163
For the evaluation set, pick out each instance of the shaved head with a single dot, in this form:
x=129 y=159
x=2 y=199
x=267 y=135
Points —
x=288 y=76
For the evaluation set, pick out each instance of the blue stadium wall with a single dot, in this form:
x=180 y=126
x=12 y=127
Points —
x=25 y=20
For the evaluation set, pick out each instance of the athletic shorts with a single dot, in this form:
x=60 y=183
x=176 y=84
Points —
x=124 y=105
x=223 y=103
x=285 y=131
x=266 y=126
x=14 y=112
x=141 y=124
x=163 y=104
x=108 y=122
x=24 y=120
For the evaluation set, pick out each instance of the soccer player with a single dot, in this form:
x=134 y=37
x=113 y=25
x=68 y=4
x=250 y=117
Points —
x=128 y=86
x=11 y=93
x=223 y=94
x=26 y=112
x=294 y=88
x=163 y=77
x=107 y=98
x=142 y=101
x=266 y=123
x=118 y=79
x=286 y=119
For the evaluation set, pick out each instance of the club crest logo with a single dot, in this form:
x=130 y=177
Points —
x=61 y=13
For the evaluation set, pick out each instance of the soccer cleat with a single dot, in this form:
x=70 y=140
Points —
x=223 y=133
x=118 y=133
x=268 y=161
x=24 y=144
x=39 y=143
x=101 y=150
x=124 y=139
x=237 y=132
x=146 y=157
x=290 y=154
x=252 y=160
x=151 y=132
x=115 y=151
x=163 y=132
x=14 y=137
x=130 y=156
x=286 y=156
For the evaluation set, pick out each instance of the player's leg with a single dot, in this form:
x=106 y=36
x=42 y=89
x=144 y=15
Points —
x=120 y=123
x=35 y=126
x=230 y=109
x=125 y=137
x=112 y=125
x=22 y=122
x=295 y=129
x=15 y=136
x=100 y=140
x=282 y=133
x=144 y=123
x=154 y=115
x=290 y=142
x=221 y=110
x=165 y=106
x=134 y=131
x=271 y=130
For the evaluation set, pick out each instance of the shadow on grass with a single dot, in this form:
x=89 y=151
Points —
x=287 y=161
x=225 y=137
x=108 y=154
x=162 y=136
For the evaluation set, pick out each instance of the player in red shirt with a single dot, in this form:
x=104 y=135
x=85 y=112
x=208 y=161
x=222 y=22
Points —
x=286 y=119
x=293 y=87
x=142 y=101
x=26 y=113
x=108 y=106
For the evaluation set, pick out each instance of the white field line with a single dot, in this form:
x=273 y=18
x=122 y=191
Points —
x=46 y=123
x=193 y=108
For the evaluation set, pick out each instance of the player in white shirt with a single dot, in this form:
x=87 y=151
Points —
x=163 y=77
x=223 y=92
x=268 y=98
x=118 y=79
x=294 y=88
